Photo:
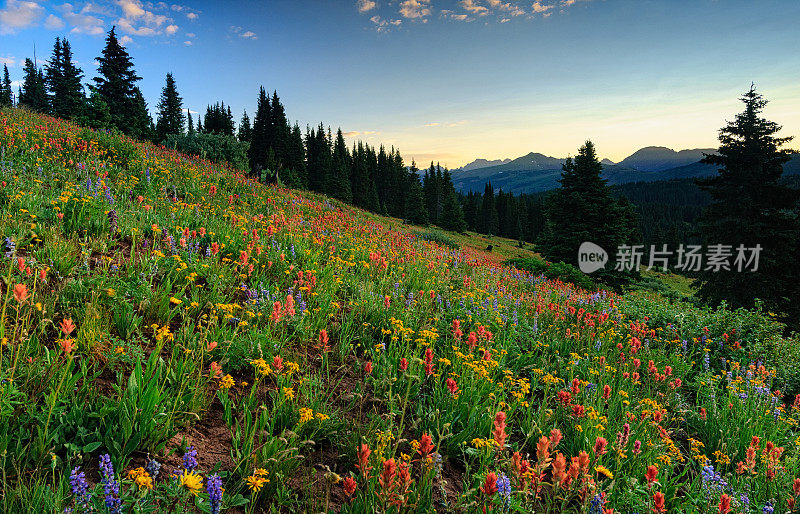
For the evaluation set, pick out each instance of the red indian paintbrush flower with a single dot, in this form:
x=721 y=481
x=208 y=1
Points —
x=67 y=326
x=20 y=293
x=363 y=460
x=499 y=431
x=650 y=475
x=349 y=486
x=724 y=504
x=489 y=487
x=600 y=445
x=658 y=503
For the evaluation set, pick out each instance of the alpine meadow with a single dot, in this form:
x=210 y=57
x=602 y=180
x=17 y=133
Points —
x=209 y=312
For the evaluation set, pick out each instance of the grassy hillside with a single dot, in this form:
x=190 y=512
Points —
x=171 y=328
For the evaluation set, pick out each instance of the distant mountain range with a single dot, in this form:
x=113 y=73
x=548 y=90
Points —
x=534 y=172
x=483 y=163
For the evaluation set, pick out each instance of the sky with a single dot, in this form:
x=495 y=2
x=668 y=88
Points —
x=455 y=80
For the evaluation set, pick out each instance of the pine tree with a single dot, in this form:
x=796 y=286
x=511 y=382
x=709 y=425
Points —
x=280 y=130
x=33 y=93
x=116 y=83
x=490 y=222
x=5 y=89
x=63 y=79
x=339 y=180
x=199 y=124
x=750 y=207
x=170 y=111
x=245 y=131
x=140 y=124
x=190 y=120
x=583 y=209
x=415 y=210
x=296 y=159
x=452 y=217
x=259 y=143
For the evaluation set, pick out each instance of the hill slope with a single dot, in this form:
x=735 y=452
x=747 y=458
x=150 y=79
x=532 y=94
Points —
x=314 y=357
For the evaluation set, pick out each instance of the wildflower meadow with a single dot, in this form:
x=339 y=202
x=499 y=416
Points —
x=178 y=337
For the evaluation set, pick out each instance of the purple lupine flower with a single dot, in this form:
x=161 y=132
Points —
x=214 y=488
x=152 y=468
x=80 y=488
x=110 y=485
x=190 y=458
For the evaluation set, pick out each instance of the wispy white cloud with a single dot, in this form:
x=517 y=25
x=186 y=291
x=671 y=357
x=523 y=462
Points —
x=82 y=22
x=53 y=22
x=19 y=15
x=415 y=9
x=365 y=5
x=8 y=61
x=356 y=133
x=171 y=29
x=474 y=8
x=384 y=25
x=446 y=125
x=540 y=8
x=242 y=33
x=124 y=40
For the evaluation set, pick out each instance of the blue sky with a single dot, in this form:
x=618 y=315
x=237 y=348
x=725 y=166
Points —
x=452 y=80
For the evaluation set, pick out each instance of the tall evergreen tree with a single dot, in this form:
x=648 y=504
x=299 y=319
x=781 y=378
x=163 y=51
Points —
x=5 y=89
x=116 y=83
x=259 y=143
x=749 y=208
x=452 y=217
x=296 y=159
x=339 y=180
x=170 y=111
x=141 y=124
x=245 y=131
x=190 y=120
x=415 y=210
x=63 y=79
x=33 y=93
x=583 y=209
x=490 y=222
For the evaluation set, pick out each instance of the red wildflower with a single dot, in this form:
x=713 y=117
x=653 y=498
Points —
x=499 y=431
x=555 y=438
x=403 y=364
x=606 y=392
x=349 y=486
x=658 y=503
x=363 y=459
x=652 y=473
x=543 y=449
x=67 y=326
x=724 y=504
x=600 y=445
x=559 y=469
x=20 y=293
x=67 y=345
x=576 y=386
x=489 y=487
x=277 y=362
x=386 y=480
x=425 y=445
x=452 y=386
x=428 y=362
x=368 y=368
